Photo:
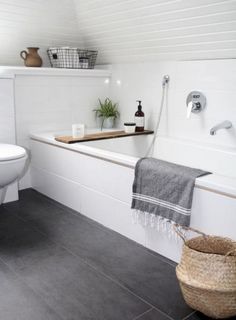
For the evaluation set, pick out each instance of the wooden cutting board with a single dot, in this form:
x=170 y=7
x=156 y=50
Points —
x=101 y=136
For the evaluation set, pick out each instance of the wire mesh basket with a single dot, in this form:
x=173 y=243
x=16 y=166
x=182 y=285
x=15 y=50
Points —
x=72 y=58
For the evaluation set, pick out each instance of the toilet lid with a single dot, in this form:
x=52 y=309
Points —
x=11 y=152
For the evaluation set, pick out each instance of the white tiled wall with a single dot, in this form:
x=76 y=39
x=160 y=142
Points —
x=215 y=78
x=49 y=103
x=7 y=124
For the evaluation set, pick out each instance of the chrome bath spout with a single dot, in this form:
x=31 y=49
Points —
x=223 y=125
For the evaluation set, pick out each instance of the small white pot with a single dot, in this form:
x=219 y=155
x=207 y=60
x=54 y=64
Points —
x=129 y=127
x=108 y=123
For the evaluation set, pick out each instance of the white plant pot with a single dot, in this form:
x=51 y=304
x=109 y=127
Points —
x=108 y=123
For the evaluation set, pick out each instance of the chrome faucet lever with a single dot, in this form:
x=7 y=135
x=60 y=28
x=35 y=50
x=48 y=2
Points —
x=196 y=102
x=223 y=125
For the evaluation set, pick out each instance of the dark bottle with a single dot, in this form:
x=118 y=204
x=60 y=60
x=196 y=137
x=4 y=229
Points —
x=139 y=118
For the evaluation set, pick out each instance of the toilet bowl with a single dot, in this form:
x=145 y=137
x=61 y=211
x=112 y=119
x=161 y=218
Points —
x=12 y=163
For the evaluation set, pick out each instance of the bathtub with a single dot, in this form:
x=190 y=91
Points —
x=95 y=178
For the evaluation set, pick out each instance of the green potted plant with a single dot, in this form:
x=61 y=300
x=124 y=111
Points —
x=108 y=111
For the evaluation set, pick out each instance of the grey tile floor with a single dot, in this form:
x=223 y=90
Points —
x=57 y=264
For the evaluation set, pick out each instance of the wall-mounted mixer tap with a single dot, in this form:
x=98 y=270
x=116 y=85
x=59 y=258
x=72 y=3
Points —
x=223 y=125
x=196 y=102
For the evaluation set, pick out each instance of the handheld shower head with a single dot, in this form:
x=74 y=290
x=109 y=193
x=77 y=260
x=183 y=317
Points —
x=164 y=96
x=165 y=80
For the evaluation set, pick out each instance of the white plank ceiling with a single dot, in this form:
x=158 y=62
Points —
x=122 y=30
x=142 y=30
x=39 y=23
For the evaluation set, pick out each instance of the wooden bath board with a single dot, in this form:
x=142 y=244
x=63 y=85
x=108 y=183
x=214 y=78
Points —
x=101 y=136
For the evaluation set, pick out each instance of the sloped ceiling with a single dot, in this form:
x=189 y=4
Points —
x=36 y=23
x=143 y=30
x=122 y=30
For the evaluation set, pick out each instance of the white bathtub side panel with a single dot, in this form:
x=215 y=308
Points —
x=108 y=211
x=160 y=243
x=105 y=177
x=211 y=213
x=102 y=191
x=57 y=188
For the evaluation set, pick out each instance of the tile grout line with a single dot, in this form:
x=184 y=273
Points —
x=116 y=282
x=142 y=314
x=97 y=270
x=164 y=314
x=188 y=316
x=34 y=291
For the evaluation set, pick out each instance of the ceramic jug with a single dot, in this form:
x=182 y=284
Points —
x=31 y=58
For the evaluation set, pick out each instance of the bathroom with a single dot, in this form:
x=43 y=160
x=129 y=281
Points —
x=71 y=246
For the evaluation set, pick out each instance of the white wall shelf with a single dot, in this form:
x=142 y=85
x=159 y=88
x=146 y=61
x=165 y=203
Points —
x=24 y=71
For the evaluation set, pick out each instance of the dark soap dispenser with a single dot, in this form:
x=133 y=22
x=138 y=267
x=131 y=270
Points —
x=139 y=118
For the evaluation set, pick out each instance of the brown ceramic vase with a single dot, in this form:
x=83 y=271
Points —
x=31 y=58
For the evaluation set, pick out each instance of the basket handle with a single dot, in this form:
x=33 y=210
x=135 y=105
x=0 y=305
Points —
x=182 y=236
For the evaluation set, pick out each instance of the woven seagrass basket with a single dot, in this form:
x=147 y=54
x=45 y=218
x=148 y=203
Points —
x=207 y=274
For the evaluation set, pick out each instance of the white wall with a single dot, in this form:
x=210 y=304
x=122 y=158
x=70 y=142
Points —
x=7 y=124
x=53 y=103
x=215 y=78
x=38 y=23
x=144 y=30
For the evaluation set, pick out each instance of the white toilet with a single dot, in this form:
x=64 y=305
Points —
x=12 y=163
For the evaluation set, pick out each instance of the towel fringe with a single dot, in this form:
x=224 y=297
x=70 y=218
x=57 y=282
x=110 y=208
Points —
x=155 y=222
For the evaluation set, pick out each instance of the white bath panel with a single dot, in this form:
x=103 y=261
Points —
x=108 y=178
x=111 y=213
x=108 y=211
x=101 y=190
x=158 y=241
x=214 y=213
x=54 y=187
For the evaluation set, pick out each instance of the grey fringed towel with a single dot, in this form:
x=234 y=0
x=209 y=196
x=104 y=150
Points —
x=164 y=189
